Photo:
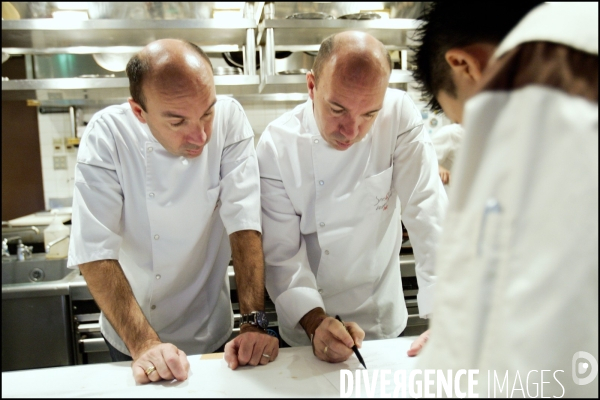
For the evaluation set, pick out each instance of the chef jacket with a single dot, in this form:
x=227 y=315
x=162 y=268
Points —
x=166 y=219
x=331 y=219
x=446 y=142
x=517 y=287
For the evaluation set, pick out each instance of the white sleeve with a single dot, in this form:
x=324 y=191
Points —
x=97 y=199
x=423 y=198
x=289 y=280
x=240 y=182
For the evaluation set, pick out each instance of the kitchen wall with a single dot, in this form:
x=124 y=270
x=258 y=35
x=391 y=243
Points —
x=54 y=129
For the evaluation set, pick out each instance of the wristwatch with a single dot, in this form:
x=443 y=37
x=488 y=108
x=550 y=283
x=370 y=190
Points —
x=255 y=318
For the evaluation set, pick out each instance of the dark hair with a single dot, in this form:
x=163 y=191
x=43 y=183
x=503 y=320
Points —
x=326 y=51
x=139 y=66
x=451 y=24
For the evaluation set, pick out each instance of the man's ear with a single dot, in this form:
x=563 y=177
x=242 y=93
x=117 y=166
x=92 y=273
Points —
x=137 y=110
x=311 y=84
x=464 y=65
x=468 y=63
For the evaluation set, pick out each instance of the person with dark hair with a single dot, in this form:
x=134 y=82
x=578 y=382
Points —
x=334 y=173
x=517 y=264
x=166 y=194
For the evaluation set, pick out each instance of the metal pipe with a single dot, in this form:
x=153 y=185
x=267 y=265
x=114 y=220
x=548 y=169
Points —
x=73 y=122
x=52 y=243
x=250 y=53
x=269 y=53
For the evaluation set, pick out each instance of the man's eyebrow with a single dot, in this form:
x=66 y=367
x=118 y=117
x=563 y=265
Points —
x=341 y=106
x=211 y=106
x=170 y=114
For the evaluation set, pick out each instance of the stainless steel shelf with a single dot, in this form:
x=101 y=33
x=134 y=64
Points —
x=297 y=83
x=99 y=88
x=50 y=36
x=391 y=32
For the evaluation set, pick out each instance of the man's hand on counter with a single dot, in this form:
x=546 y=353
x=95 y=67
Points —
x=252 y=346
x=160 y=361
x=331 y=340
x=417 y=345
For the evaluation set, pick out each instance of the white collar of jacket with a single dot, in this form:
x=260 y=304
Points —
x=571 y=24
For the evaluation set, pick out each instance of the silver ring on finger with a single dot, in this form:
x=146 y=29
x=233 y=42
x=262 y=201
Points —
x=266 y=355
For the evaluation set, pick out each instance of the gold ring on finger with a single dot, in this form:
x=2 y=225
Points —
x=325 y=351
x=150 y=370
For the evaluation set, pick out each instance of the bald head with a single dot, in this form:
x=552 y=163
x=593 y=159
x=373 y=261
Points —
x=354 y=55
x=168 y=65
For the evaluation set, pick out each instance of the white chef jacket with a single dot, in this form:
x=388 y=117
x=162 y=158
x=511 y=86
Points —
x=446 y=142
x=331 y=219
x=166 y=219
x=517 y=283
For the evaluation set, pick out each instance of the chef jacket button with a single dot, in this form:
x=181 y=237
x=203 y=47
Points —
x=153 y=307
x=151 y=195
x=321 y=182
x=316 y=140
x=322 y=224
x=156 y=237
x=320 y=290
x=150 y=149
x=157 y=277
x=326 y=252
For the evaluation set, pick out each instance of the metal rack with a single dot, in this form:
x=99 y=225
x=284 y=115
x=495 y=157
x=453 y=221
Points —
x=46 y=36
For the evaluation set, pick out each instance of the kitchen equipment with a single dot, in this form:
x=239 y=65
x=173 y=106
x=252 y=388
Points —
x=114 y=62
x=56 y=239
x=301 y=71
x=220 y=71
x=361 y=16
x=310 y=15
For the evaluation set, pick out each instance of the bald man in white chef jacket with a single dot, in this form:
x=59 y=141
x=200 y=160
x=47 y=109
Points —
x=163 y=185
x=517 y=264
x=334 y=172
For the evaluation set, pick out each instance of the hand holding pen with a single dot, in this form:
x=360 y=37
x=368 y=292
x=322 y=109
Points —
x=354 y=348
x=333 y=342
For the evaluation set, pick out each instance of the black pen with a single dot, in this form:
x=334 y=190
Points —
x=354 y=348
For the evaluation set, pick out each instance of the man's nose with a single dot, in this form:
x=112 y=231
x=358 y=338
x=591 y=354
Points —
x=198 y=135
x=350 y=128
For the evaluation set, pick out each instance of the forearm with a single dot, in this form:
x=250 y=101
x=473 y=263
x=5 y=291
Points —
x=112 y=292
x=248 y=264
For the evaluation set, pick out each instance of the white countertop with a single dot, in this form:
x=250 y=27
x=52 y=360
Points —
x=295 y=373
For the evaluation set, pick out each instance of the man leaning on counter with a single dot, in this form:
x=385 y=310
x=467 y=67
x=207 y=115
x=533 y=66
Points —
x=160 y=183
x=334 y=172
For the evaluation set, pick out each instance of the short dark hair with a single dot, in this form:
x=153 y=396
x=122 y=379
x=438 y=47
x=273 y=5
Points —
x=138 y=67
x=326 y=51
x=451 y=24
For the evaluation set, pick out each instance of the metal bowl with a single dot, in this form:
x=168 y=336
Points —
x=301 y=71
x=310 y=15
x=361 y=16
x=218 y=71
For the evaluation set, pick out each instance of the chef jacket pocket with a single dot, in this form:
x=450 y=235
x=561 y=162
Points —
x=378 y=192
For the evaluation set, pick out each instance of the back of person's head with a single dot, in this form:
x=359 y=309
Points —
x=457 y=24
x=140 y=66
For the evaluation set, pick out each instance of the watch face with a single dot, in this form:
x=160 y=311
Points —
x=261 y=319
